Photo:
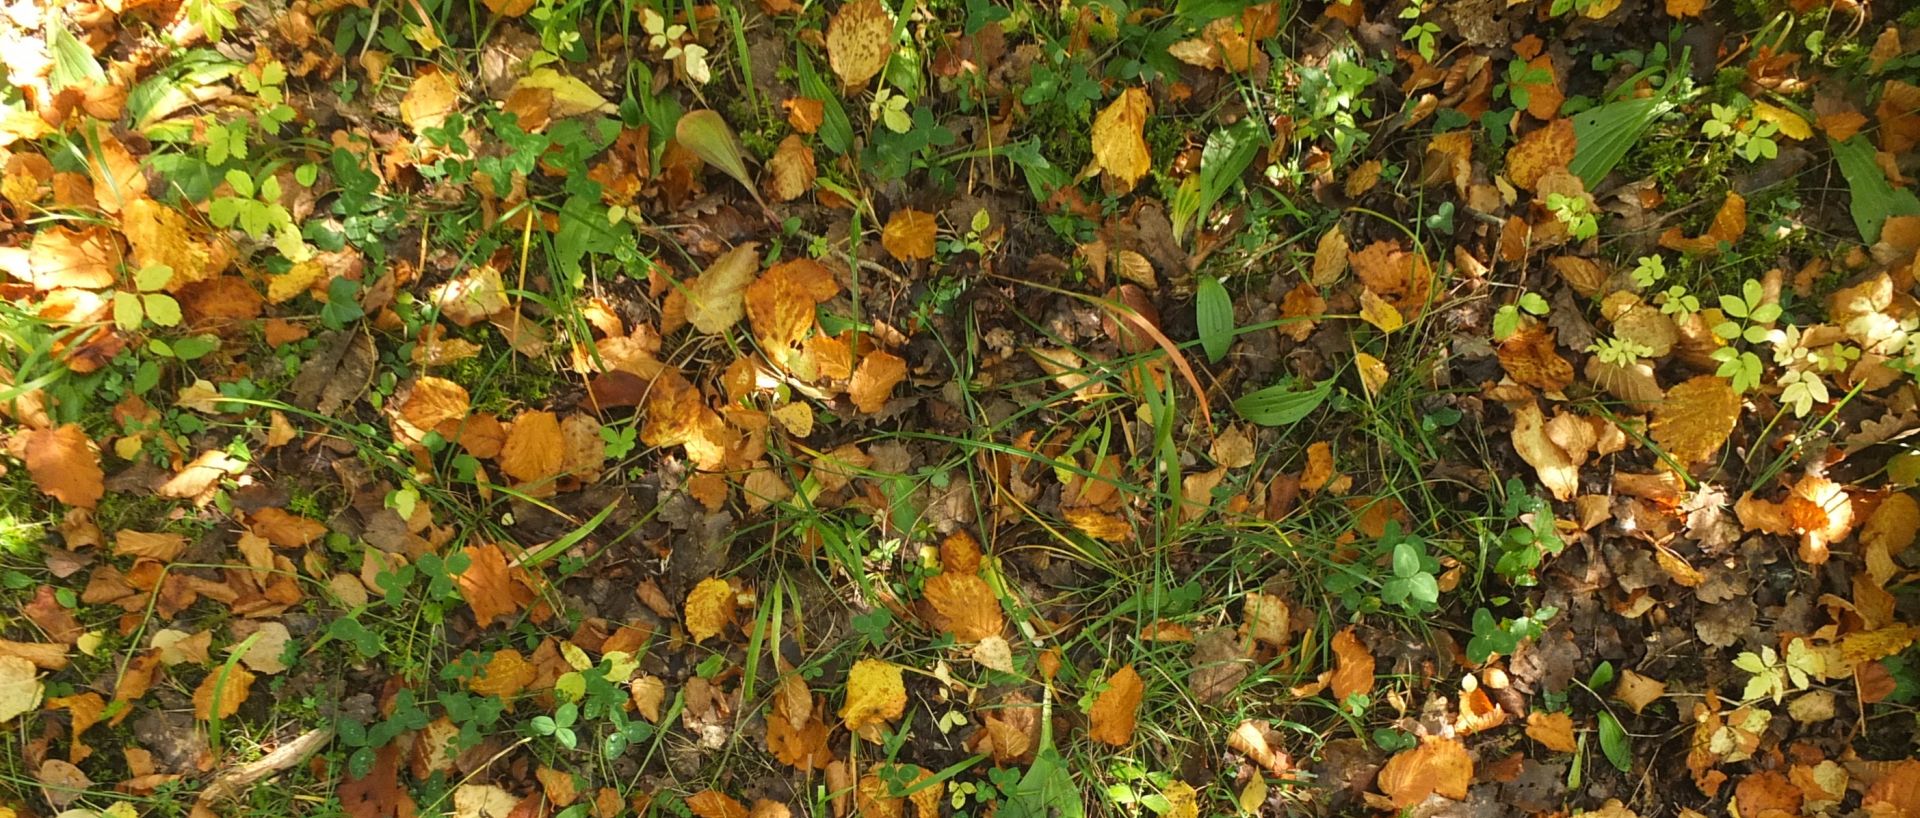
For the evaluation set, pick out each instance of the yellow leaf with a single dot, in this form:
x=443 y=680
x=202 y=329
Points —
x=1696 y=418
x=1791 y=124
x=1373 y=372
x=1893 y=525
x=876 y=694
x=1376 y=311
x=791 y=171
x=20 y=687
x=709 y=609
x=504 y=675
x=431 y=98
x=1119 y=146
x=966 y=606
x=1117 y=708
x=571 y=97
x=535 y=448
x=1552 y=730
x=1182 y=800
x=859 y=41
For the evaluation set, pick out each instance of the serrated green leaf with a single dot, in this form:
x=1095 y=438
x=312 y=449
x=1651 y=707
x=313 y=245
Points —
x=1213 y=310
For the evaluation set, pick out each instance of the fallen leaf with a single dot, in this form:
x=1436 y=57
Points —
x=1530 y=357
x=1119 y=146
x=873 y=382
x=966 y=605
x=1541 y=151
x=284 y=528
x=1637 y=691
x=714 y=299
x=1353 y=666
x=909 y=235
x=1549 y=461
x=505 y=674
x=570 y=96
x=859 y=41
x=876 y=694
x=483 y=801
x=488 y=584
x=430 y=99
x=1552 y=730
x=709 y=609
x=65 y=465
x=1729 y=223
x=1266 y=619
x=791 y=171
x=1438 y=765
x=1696 y=418
x=1117 y=708
x=85 y=258
x=222 y=692
x=1330 y=257
x=1373 y=372
x=535 y=448
x=1379 y=312
x=20 y=687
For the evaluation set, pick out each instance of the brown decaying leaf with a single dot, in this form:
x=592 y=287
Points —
x=222 y=692
x=1530 y=358
x=873 y=382
x=535 y=448
x=489 y=585
x=1117 y=708
x=1542 y=150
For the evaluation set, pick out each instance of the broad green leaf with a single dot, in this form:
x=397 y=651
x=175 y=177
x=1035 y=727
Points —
x=73 y=62
x=162 y=309
x=1214 y=311
x=1602 y=135
x=1047 y=790
x=1873 y=198
x=126 y=311
x=153 y=277
x=707 y=134
x=1227 y=154
x=1282 y=404
x=1615 y=742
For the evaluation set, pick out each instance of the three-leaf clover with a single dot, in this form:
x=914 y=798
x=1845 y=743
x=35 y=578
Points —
x=148 y=303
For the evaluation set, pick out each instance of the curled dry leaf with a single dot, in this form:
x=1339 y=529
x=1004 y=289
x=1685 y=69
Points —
x=1530 y=439
x=1117 y=708
x=859 y=41
x=1119 y=146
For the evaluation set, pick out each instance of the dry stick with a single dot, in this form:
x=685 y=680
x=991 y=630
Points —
x=235 y=780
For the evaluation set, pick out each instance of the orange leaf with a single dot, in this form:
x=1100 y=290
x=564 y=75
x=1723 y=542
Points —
x=1729 y=223
x=65 y=257
x=711 y=804
x=909 y=235
x=1530 y=357
x=488 y=584
x=1438 y=765
x=1117 y=708
x=504 y=675
x=966 y=606
x=873 y=382
x=65 y=465
x=535 y=448
x=1542 y=150
x=285 y=529
x=1353 y=670
x=791 y=170
x=1553 y=730
x=805 y=114
x=229 y=685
